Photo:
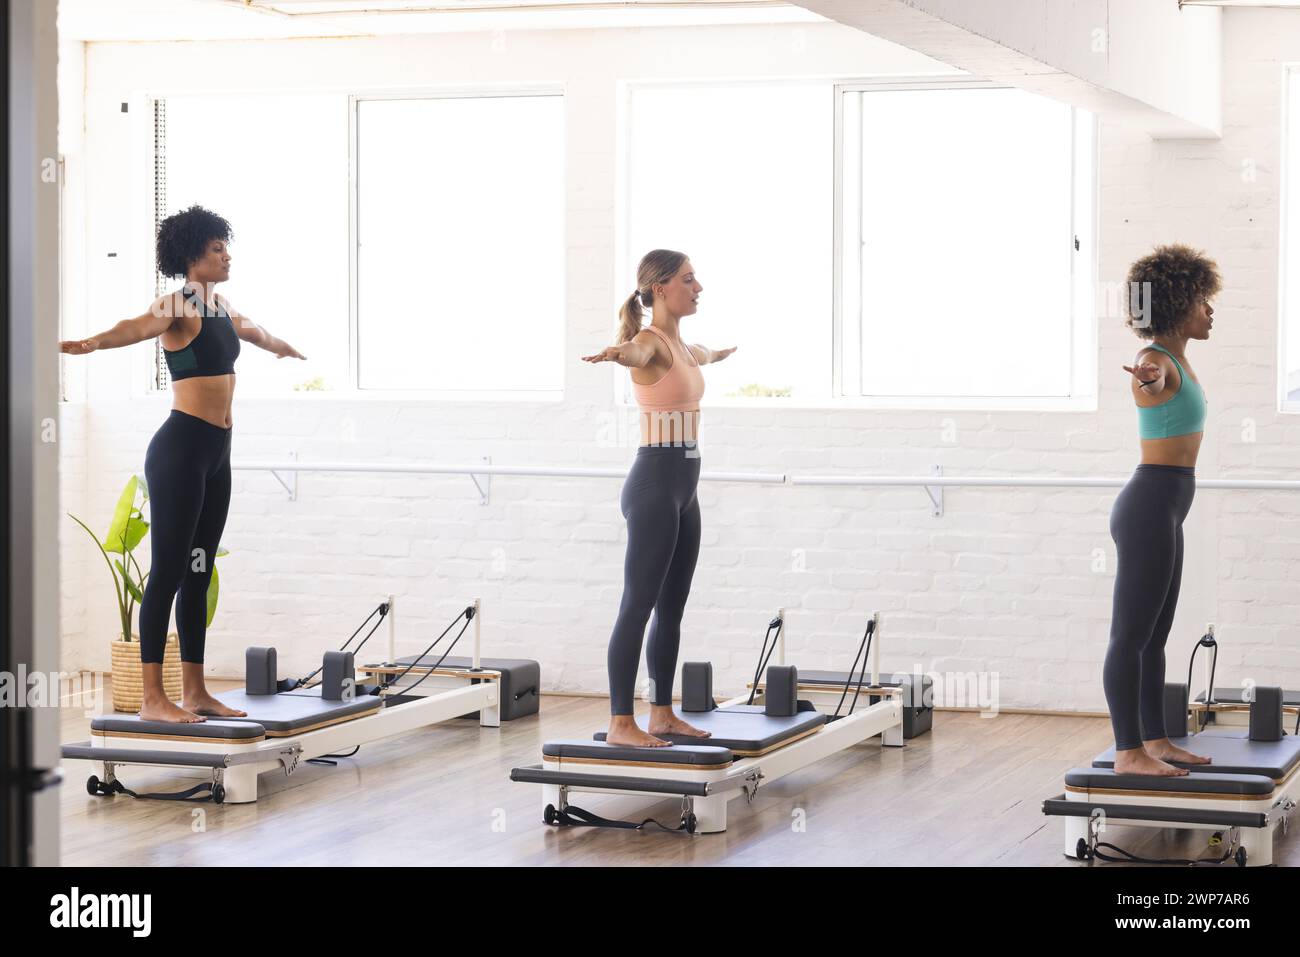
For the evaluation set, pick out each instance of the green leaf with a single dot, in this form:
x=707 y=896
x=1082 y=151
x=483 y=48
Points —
x=125 y=532
x=214 y=587
x=121 y=603
x=221 y=552
x=131 y=586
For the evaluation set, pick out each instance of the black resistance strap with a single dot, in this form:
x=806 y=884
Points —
x=863 y=646
x=468 y=615
x=381 y=610
x=765 y=655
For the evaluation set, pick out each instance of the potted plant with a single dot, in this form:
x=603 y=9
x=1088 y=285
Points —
x=126 y=531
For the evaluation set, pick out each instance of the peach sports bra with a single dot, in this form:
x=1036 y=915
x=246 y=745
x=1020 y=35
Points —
x=677 y=390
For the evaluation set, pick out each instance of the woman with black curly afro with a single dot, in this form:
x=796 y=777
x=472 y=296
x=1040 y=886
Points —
x=187 y=465
x=1169 y=304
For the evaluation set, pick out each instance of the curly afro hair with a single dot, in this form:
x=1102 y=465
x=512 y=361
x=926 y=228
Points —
x=1180 y=277
x=183 y=239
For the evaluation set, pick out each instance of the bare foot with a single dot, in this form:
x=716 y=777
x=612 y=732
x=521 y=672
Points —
x=166 y=710
x=624 y=732
x=1166 y=750
x=210 y=706
x=671 y=724
x=1137 y=761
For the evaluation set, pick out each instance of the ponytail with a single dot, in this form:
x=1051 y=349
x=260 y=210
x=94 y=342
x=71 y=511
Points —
x=629 y=318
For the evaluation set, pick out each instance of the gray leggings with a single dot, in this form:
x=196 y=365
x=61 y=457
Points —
x=663 y=542
x=1147 y=526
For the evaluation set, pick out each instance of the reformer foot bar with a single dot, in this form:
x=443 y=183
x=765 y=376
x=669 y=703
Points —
x=751 y=745
x=1243 y=797
x=292 y=721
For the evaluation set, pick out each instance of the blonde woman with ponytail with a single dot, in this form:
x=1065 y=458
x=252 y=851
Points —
x=658 y=499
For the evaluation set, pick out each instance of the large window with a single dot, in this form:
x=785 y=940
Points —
x=276 y=167
x=441 y=271
x=460 y=243
x=898 y=243
x=961 y=212
x=739 y=177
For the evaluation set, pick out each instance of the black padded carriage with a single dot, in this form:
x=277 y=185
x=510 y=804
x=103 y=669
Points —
x=273 y=716
x=1231 y=752
x=133 y=726
x=742 y=729
x=702 y=757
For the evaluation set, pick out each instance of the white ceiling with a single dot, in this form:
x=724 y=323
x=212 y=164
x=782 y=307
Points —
x=160 y=20
x=1240 y=3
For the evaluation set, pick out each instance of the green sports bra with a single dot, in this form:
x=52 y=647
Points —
x=1180 y=415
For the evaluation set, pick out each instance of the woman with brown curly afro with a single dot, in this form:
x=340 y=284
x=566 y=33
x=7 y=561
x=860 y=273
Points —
x=187 y=465
x=1169 y=305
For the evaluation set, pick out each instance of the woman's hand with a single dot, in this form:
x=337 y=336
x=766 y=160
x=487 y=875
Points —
x=287 y=351
x=608 y=354
x=78 y=347
x=706 y=356
x=1147 y=373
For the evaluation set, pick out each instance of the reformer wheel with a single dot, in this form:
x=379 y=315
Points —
x=1081 y=850
x=1240 y=857
x=690 y=822
x=549 y=815
x=92 y=786
x=219 y=794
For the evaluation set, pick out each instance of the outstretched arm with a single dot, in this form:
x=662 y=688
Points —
x=636 y=353
x=252 y=333
x=705 y=356
x=128 y=332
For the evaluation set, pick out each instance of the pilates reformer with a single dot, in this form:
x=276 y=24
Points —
x=1228 y=706
x=756 y=738
x=1243 y=798
x=319 y=718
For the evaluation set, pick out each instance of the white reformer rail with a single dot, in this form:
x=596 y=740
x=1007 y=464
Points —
x=932 y=484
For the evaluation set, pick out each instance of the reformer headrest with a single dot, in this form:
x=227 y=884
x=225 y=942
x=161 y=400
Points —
x=1176 y=710
x=259 y=671
x=338 y=676
x=781 y=692
x=1266 y=713
x=697 y=686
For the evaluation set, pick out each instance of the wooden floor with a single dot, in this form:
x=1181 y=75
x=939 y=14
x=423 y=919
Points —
x=969 y=793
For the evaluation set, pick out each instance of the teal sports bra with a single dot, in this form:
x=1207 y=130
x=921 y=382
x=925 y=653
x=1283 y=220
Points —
x=1180 y=415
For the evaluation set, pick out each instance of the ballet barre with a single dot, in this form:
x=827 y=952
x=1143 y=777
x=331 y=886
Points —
x=933 y=484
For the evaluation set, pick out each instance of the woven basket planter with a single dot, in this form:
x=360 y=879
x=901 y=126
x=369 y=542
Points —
x=128 y=687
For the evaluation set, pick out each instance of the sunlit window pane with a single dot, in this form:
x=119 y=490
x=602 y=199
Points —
x=966 y=242
x=739 y=177
x=276 y=168
x=460 y=225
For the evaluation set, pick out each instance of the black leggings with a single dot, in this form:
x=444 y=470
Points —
x=1147 y=526
x=663 y=542
x=188 y=471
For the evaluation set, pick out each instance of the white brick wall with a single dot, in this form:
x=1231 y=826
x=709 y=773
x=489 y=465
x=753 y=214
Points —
x=1004 y=581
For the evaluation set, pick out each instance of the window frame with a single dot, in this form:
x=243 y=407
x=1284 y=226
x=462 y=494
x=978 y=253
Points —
x=1082 y=357
x=354 y=319
x=351 y=391
x=1084 y=342
x=623 y=264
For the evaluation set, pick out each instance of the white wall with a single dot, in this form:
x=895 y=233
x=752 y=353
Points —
x=1005 y=581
